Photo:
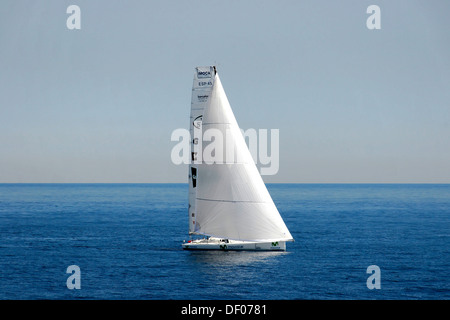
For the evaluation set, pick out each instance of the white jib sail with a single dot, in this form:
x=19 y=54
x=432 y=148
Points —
x=231 y=199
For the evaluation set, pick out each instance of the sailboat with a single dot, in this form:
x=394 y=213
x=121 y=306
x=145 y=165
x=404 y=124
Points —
x=230 y=207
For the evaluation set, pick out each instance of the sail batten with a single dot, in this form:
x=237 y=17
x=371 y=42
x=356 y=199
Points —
x=227 y=197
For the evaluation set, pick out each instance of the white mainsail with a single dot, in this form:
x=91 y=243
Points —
x=227 y=197
x=201 y=92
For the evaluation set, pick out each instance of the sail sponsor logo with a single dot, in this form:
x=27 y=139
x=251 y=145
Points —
x=197 y=123
x=214 y=146
x=203 y=74
x=202 y=98
x=194 y=178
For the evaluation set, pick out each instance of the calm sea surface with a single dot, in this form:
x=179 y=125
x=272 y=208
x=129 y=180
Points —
x=126 y=240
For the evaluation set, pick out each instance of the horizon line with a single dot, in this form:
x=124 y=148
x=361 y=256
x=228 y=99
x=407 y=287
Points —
x=443 y=183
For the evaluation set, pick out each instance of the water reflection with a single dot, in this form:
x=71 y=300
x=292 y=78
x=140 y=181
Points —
x=232 y=258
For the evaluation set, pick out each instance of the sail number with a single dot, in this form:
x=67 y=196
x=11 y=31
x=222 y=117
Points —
x=204 y=83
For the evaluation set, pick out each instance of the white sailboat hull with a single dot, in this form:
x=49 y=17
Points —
x=233 y=245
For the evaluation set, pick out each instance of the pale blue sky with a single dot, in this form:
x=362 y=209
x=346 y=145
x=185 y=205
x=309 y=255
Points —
x=99 y=104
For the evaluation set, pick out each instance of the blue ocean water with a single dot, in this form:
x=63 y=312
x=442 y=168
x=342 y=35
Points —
x=126 y=239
